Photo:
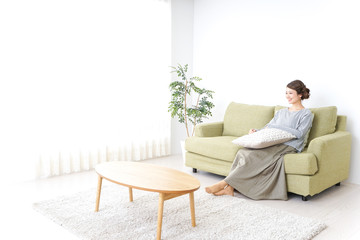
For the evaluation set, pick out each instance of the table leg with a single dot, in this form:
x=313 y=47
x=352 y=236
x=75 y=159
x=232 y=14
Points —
x=98 y=193
x=160 y=215
x=130 y=194
x=192 y=209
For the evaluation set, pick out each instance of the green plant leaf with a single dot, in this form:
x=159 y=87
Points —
x=181 y=90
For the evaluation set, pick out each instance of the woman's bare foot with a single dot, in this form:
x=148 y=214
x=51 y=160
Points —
x=229 y=190
x=216 y=187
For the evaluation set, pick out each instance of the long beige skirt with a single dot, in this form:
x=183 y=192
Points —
x=260 y=173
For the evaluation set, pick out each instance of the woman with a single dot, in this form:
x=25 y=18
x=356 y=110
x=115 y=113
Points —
x=260 y=174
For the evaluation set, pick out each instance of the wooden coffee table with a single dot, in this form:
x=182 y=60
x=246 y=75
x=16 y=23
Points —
x=169 y=183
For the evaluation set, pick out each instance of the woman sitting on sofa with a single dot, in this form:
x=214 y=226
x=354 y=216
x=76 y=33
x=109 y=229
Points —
x=259 y=173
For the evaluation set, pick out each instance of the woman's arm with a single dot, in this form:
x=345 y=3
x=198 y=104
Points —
x=302 y=127
x=272 y=121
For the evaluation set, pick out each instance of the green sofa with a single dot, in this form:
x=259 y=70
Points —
x=323 y=163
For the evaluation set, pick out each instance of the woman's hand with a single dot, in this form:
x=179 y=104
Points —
x=252 y=131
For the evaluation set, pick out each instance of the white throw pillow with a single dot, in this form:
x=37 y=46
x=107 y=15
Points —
x=264 y=138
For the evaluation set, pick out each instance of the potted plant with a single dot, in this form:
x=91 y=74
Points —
x=183 y=93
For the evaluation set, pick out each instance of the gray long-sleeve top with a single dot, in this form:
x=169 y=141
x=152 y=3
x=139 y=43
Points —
x=295 y=122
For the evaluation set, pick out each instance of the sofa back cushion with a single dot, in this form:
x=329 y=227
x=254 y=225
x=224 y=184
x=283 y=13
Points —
x=324 y=121
x=240 y=118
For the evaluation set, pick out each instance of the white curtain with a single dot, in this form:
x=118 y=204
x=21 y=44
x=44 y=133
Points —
x=83 y=82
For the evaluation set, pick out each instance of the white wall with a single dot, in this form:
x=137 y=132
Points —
x=247 y=51
x=182 y=53
x=68 y=71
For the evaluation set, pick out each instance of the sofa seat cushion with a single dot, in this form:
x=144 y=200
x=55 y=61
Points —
x=301 y=163
x=215 y=147
x=240 y=118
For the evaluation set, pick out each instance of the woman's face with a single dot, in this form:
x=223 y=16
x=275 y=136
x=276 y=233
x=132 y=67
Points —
x=292 y=96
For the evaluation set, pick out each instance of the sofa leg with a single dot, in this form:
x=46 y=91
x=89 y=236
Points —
x=338 y=184
x=304 y=198
x=194 y=170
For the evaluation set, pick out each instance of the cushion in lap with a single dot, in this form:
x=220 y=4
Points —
x=264 y=138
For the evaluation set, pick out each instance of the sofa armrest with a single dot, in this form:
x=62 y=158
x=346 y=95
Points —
x=333 y=153
x=209 y=129
x=300 y=163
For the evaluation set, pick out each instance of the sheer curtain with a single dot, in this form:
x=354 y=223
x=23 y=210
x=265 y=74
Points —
x=83 y=82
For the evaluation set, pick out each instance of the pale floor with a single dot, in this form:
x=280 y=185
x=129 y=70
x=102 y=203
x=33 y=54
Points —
x=338 y=207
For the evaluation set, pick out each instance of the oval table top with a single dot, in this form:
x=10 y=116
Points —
x=148 y=177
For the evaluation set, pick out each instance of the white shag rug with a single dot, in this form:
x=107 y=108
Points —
x=222 y=217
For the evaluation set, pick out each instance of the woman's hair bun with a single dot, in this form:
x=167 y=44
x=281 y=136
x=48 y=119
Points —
x=300 y=88
x=306 y=93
